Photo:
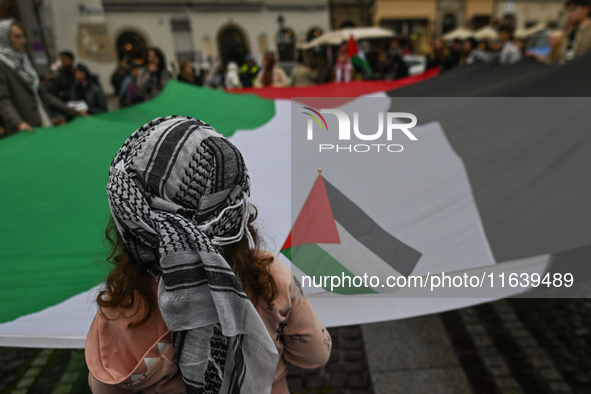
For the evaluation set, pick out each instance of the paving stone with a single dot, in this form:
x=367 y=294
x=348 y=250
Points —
x=333 y=368
x=542 y=362
x=312 y=372
x=550 y=374
x=353 y=355
x=559 y=386
x=351 y=332
x=422 y=381
x=337 y=380
x=8 y=380
x=355 y=367
x=352 y=344
x=420 y=342
x=493 y=361
x=15 y=364
x=294 y=384
x=333 y=331
x=294 y=370
x=315 y=382
x=358 y=380
x=500 y=370
x=506 y=383
x=334 y=357
x=482 y=340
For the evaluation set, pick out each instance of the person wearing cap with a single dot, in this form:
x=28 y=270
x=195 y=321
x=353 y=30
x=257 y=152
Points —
x=130 y=92
x=88 y=90
x=509 y=53
x=24 y=103
x=248 y=72
x=577 y=35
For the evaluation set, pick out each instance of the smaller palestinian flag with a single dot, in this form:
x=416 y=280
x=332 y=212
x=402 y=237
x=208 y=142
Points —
x=358 y=56
x=332 y=236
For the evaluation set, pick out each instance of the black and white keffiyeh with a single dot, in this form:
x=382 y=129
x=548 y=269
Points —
x=177 y=188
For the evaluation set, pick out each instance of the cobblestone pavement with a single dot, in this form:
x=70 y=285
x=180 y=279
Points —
x=510 y=346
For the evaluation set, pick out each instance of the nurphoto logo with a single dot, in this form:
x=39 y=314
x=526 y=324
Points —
x=344 y=131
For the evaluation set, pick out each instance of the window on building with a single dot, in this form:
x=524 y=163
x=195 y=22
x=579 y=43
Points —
x=449 y=23
x=479 y=21
x=183 y=40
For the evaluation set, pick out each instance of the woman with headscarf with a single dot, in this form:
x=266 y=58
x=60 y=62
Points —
x=271 y=75
x=23 y=102
x=193 y=304
x=88 y=90
x=154 y=76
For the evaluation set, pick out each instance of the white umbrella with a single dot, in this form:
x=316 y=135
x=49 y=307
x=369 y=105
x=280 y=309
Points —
x=485 y=33
x=460 y=33
x=337 y=37
x=526 y=33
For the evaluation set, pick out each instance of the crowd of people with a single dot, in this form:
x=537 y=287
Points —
x=24 y=101
x=73 y=90
x=571 y=42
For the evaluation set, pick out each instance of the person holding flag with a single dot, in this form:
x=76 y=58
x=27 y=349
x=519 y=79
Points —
x=357 y=56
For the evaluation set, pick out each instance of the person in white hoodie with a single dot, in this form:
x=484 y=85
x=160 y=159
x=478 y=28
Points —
x=233 y=77
x=509 y=53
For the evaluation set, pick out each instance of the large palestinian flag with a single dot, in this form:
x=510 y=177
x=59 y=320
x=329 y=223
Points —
x=333 y=236
x=470 y=198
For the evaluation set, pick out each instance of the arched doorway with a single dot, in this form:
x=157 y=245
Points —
x=232 y=45
x=131 y=46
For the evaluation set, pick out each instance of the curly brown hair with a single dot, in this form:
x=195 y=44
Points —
x=127 y=281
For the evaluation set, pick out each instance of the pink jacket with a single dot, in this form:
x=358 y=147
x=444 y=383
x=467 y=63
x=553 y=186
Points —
x=143 y=359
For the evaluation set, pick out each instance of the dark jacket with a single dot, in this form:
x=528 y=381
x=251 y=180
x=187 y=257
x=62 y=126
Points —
x=18 y=104
x=63 y=85
x=93 y=95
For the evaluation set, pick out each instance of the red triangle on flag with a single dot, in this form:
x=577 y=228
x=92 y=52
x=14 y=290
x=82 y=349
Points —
x=352 y=48
x=315 y=223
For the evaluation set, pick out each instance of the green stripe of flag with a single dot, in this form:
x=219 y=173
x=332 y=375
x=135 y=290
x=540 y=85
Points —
x=54 y=202
x=315 y=262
